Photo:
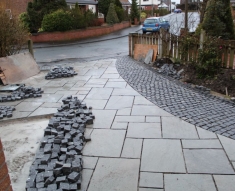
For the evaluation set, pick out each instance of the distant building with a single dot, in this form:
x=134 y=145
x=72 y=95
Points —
x=84 y=4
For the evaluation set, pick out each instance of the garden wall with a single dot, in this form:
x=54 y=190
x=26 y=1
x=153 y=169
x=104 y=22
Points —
x=77 y=34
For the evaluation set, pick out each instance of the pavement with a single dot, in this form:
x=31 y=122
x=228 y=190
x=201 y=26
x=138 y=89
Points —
x=135 y=145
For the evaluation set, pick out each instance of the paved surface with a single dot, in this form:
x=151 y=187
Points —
x=136 y=145
x=206 y=111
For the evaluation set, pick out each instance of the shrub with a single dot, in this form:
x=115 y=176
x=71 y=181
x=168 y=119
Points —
x=112 y=17
x=78 y=18
x=24 y=19
x=120 y=13
x=58 y=21
x=89 y=17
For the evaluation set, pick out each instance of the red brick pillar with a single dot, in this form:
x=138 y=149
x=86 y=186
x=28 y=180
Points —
x=5 y=181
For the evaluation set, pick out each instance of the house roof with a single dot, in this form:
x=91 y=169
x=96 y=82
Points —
x=125 y=2
x=82 y=2
x=163 y=5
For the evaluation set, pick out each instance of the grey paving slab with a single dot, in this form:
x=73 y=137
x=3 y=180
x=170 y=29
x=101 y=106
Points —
x=112 y=174
x=46 y=98
x=83 y=92
x=129 y=119
x=28 y=106
x=93 y=86
x=89 y=162
x=119 y=102
x=162 y=155
x=116 y=80
x=173 y=127
x=56 y=83
x=95 y=72
x=51 y=90
x=67 y=92
x=125 y=91
x=233 y=164
x=110 y=76
x=148 y=110
x=151 y=180
x=97 y=81
x=80 y=97
x=144 y=130
x=99 y=93
x=205 y=134
x=209 y=161
x=201 y=144
x=115 y=84
x=121 y=125
x=95 y=103
x=86 y=178
x=225 y=182
x=126 y=111
x=189 y=182
x=78 y=85
x=151 y=119
x=18 y=115
x=105 y=142
x=150 y=189
x=43 y=111
x=12 y=103
x=103 y=118
x=229 y=146
x=132 y=148
x=79 y=78
x=140 y=100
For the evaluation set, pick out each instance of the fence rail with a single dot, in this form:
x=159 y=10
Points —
x=170 y=46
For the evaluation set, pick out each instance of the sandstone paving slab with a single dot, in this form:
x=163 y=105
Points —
x=140 y=100
x=151 y=180
x=129 y=119
x=148 y=110
x=152 y=119
x=204 y=134
x=121 y=125
x=189 y=182
x=125 y=92
x=95 y=72
x=207 y=161
x=162 y=155
x=89 y=162
x=105 y=142
x=112 y=174
x=201 y=144
x=110 y=76
x=132 y=148
x=99 y=93
x=28 y=106
x=173 y=127
x=103 y=118
x=119 y=102
x=115 y=84
x=43 y=111
x=150 y=189
x=46 y=98
x=225 y=182
x=97 y=81
x=95 y=104
x=125 y=111
x=86 y=178
x=144 y=130
x=229 y=146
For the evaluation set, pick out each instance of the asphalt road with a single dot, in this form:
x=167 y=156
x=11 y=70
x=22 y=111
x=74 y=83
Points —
x=108 y=46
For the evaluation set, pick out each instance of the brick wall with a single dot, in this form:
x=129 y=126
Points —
x=16 y=6
x=77 y=34
x=5 y=182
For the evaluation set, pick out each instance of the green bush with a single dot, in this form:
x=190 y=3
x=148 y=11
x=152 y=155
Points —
x=112 y=17
x=58 y=21
x=89 y=18
x=78 y=18
x=24 y=19
x=120 y=13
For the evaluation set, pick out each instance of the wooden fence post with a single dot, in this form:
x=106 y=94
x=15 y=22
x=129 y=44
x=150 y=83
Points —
x=202 y=38
x=30 y=47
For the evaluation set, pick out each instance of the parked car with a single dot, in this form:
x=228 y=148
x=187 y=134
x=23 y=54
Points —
x=177 y=11
x=153 y=24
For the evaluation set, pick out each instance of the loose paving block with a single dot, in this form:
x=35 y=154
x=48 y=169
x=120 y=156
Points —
x=151 y=119
x=105 y=142
x=129 y=119
x=211 y=161
x=161 y=155
x=205 y=134
x=119 y=102
x=140 y=100
x=132 y=148
x=189 y=182
x=117 y=125
x=89 y=162
x=125 y=92
x=103 y=118
x=173 y=127
x=115 y=174
x=144 y=130
x=229 y=146
x=225 y=182
x=206 y=144
x=126 y=111
x=148 y=110
x=115 y=85
x=99 y=93
x=151 y=180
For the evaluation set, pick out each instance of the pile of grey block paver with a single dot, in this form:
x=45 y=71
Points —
x=196 y=107
x=60 y=72
x=58 y=162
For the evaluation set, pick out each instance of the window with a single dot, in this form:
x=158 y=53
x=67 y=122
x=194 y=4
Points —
x=8 y=11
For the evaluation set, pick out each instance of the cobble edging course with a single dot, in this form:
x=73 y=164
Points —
x=192 y=105
x=58 y=162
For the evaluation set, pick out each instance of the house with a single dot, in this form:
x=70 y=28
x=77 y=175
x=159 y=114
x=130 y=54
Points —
x=149 y=4
x=84 y=4
x=232 y=2
x=126 y=5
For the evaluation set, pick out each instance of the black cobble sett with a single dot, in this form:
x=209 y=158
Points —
x=194 y=105
x=58 y=162
x=60 y=72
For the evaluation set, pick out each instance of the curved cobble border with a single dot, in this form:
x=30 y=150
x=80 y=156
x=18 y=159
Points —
x=203 y=110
